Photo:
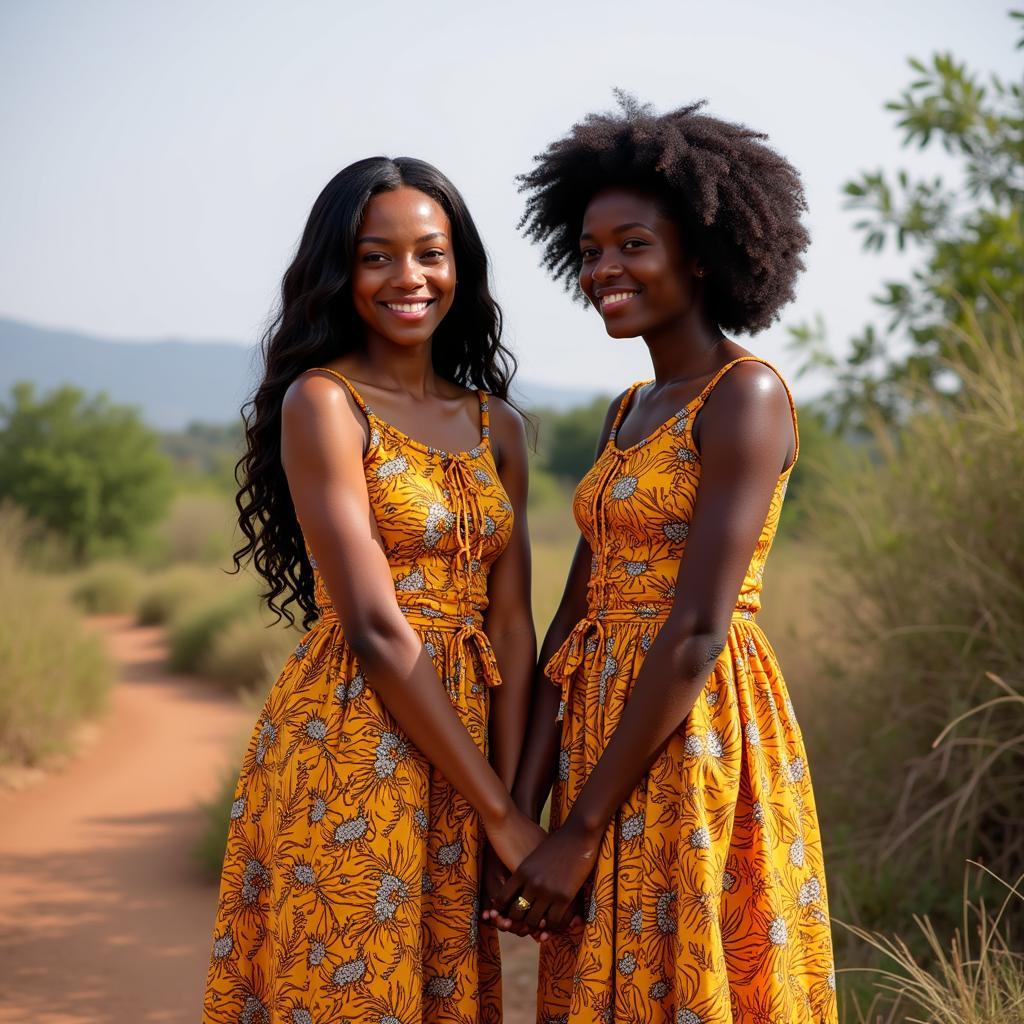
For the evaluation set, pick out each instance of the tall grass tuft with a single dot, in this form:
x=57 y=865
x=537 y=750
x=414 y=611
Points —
x=924 y=571
x=227 y=637
x=975 y=977
x=52 y=672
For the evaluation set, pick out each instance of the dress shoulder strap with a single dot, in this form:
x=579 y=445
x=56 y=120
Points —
x=702 y=397
x=356 y=397
x=624 y=404
x=485 y=413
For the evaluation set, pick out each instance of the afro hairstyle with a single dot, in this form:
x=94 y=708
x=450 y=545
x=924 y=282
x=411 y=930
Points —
x=737 y=203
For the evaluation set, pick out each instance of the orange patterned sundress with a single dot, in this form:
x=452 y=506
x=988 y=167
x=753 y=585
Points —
x=707 y=903
x=350 y=889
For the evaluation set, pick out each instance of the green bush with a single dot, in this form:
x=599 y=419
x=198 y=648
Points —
x=107 y=588
x=199 y=528
x=567 y=440
x=209 y=848
x=53 y=672
x=84 y=468
x=924 y=550
x=193 y=632
x=248 y=654
x=170 y=592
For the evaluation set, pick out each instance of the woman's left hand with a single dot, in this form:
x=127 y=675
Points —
x=549 y=879
x=493 y=877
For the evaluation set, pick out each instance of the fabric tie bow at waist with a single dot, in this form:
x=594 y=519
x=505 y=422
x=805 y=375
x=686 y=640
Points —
x=461 y=635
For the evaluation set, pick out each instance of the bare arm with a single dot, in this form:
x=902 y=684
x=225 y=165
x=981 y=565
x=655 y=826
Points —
x=322 y=442
x=509 y=621
x=747 y=435
x=537 y=765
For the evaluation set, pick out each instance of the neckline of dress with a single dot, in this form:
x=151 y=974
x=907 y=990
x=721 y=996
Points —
x=613 y=436
x=429 y=449
x=682 y=414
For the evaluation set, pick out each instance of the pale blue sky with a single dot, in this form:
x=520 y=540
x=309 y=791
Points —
x=162 y=157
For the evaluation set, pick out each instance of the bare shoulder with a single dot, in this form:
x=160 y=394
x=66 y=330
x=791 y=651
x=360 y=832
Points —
x=508 y=431
x=315 y=394
x=318 y=412
x=752 y=387
x=746 y=415
x=613 y=405
x=613 y=409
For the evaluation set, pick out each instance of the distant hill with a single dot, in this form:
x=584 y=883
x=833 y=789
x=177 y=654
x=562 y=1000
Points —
x=172 y=382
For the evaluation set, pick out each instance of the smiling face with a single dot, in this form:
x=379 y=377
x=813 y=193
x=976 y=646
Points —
x=403 y=279
x=633 y=268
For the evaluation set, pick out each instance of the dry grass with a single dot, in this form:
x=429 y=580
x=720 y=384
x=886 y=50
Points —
x=52 y=672
x=106 y=588
x=192 y=633
x=791 y=616
x=248 y=653
x=167 y=594
x=200 y=528
x=224 y=635
x=550 y=568
x=926 y=551
x=916 y=615
x=975 y=977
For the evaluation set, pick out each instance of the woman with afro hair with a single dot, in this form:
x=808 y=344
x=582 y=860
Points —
x=683 y=880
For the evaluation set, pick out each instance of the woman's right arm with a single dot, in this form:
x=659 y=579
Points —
x=537 y=764
x=322 y=441
x=538 y=760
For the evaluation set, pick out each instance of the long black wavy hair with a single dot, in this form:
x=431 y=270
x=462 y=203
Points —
x=316 y=322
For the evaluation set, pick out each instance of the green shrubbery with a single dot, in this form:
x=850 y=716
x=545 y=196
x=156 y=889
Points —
x=198 y=529
x=169 y=593
x=107 y=588
x=52 y=672
x=923 y=549
x=193 y=632
x=86 y=469
x=247 y=654
x=228 y=640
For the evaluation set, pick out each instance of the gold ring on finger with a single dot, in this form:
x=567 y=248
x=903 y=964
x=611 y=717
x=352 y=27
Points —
x=522 y=903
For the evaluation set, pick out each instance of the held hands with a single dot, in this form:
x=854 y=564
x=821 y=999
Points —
x=510 y=842
x=513 y=837
x=493 y=880
x=540 y=895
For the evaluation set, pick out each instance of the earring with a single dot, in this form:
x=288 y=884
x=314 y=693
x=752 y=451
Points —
x=699 y=272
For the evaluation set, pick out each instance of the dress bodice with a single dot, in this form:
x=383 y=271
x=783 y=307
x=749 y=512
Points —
x=634 y=507
x=443 y=518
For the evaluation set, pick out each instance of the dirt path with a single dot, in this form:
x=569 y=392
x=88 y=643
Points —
x=103 y=917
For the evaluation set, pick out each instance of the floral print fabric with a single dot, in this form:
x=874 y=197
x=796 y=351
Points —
x=350 y=883
x=707 y=904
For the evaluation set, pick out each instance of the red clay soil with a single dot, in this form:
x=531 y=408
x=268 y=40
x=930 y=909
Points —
x=103 y=915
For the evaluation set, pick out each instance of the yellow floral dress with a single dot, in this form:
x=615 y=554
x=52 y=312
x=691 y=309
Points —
x=707 y=903
x=351 y=879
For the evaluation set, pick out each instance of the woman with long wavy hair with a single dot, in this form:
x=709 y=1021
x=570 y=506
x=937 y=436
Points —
x=382 y=495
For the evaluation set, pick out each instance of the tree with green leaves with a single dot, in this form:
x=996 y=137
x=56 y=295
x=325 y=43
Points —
x=568 y=439
x=89 y=470
x=968 y=236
